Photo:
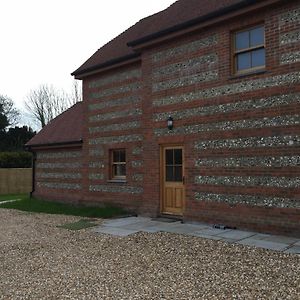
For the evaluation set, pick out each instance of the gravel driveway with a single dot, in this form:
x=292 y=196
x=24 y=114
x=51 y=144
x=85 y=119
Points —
x=40 y=261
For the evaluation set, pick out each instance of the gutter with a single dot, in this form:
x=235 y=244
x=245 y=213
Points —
x=106 y=64
x=29 y=147
x=192 y=22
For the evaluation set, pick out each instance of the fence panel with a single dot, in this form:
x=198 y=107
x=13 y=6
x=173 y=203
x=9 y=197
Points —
x=15 y=181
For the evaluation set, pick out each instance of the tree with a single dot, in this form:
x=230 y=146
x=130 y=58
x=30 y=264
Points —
x=3 y=119
x=15 y=159
x=77 y=91
x=9 y=110
x=15 y=138
x=46 y=102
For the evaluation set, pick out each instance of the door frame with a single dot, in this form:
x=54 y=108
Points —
x=162 y=147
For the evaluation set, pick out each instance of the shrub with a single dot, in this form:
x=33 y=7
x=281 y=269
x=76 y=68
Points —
x=15 y=160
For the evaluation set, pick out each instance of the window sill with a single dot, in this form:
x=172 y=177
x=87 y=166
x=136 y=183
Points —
x=250 y=73
x=117 y=181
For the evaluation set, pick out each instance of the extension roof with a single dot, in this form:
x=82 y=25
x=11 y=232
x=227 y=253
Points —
x=181 y=14
x=64 y=129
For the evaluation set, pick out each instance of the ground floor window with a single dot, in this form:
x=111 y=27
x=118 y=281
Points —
x=118 y=164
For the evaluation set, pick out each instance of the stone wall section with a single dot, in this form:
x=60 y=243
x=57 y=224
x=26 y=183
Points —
x=113 y=120
x=289 y=37
x=58 y=173
x=199 y=68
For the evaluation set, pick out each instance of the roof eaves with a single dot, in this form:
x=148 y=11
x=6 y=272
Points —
x=106 y=64
x=192 y=22
x=53 y=144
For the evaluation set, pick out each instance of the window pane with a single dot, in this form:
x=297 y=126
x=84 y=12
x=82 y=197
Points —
x=258 y=58
x=178 y=156
x=169 y=157
x=169 y=173
x=243 y=61
x=116 y=156
x=257 y=36
x=119 y=170
x=114 y=170
x=242 y=40
x=122 y=156
x=178 y=174
x=119 y=156
x=122 y=170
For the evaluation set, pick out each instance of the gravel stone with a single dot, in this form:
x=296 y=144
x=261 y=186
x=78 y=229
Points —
x=41 y=261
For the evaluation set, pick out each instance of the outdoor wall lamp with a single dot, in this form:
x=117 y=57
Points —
x=170 y=123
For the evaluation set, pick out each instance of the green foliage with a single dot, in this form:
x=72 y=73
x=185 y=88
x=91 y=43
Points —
x=15 y=138
x=81 y=224
x=12 y=139
x=41 y=206
x=15 y=160
x=9 y=111
x=12 y=197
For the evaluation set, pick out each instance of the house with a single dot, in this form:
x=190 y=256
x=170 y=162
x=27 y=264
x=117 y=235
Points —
x=192 y=112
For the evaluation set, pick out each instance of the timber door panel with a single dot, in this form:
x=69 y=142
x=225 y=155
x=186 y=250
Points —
x=172 y=180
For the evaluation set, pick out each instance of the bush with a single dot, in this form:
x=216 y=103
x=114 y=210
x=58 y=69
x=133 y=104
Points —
x=15 y=160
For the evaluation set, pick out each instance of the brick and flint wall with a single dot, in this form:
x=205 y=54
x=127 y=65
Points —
x=58 y=174
x=113 y=120
x=241 y=134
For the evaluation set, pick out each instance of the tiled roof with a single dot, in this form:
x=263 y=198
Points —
x=66 y=128
x=180 y=12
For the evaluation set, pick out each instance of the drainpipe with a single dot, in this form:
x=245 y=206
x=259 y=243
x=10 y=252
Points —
x=33 y=171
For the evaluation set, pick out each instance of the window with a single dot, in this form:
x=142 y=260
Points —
x=118 y=164
x=173 y=166
x=249 y=49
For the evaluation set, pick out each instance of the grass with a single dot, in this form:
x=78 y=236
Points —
x=12 y=197
x=81 y=224
x=40 y=206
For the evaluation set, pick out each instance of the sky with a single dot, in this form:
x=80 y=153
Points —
x=44 y=41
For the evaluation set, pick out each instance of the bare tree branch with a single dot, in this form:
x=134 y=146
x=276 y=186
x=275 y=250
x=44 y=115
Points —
x=77 y=91
x=45 y=103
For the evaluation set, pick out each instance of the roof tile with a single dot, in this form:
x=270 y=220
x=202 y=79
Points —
x=178 y=13
x=65 y=128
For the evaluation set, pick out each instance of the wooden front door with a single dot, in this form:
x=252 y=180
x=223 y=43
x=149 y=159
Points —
x=172 y=179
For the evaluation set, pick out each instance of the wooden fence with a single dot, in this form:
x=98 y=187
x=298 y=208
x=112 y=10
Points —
x=15 y=181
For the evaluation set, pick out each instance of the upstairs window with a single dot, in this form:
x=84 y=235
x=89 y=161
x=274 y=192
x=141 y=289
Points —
x=118 y=164
x=249 y=50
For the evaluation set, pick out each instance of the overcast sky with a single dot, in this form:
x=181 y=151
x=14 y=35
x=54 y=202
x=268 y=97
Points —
x=43 y=41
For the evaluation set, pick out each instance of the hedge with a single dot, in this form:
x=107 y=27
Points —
x=15 y=160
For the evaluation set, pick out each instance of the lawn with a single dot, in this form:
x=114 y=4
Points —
x=40 y=206
x=12 y=197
